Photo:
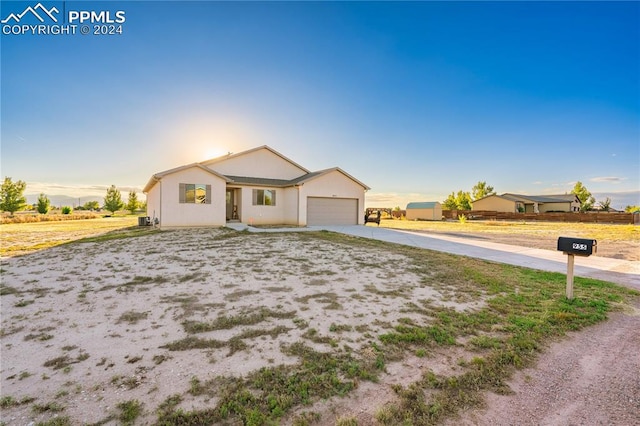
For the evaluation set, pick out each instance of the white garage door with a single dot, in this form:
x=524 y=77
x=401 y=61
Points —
x=332 y=211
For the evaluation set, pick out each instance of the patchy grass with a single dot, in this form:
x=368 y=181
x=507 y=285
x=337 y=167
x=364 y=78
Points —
x=267 y=394
x=527 y=307
x=225 y=322
x=234 y=344
x=518 y=312
x=132 y=317
x=57 y=421
x=49 y=407
x=129 y=411
x=65 y=361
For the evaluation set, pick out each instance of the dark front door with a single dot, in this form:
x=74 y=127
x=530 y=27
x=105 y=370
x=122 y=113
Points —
x=232 y=205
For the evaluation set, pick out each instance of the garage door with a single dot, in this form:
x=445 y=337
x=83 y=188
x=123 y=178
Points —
x=332 y=211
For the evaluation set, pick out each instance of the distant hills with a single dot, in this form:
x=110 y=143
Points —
x=619 y=200
x=65 y=200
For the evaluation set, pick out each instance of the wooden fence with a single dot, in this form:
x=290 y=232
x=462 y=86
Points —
x=588 y=217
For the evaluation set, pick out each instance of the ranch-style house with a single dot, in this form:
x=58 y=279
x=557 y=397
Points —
x=258 y=187
x=513 y=203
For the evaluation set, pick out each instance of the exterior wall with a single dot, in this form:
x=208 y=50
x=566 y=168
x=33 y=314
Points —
x=153 y=201
x=333 y=184
x=261 y=163
x=282 y=213
x=554 y=207
x=291 y=206
x=496 y=204
x=425 y=214
x=173 y=214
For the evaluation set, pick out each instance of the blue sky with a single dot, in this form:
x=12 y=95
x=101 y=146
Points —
x=416 y=99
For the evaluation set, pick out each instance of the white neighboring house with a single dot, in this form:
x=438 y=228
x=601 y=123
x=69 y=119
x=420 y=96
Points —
x=259 y=186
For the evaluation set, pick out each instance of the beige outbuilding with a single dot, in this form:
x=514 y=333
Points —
x=427 y=210
x=259 y=186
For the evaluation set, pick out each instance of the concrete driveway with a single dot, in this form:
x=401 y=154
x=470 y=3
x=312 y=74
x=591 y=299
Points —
x=623 y=272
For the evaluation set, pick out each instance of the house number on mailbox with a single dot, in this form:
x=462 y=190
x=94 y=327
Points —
x=580 y=246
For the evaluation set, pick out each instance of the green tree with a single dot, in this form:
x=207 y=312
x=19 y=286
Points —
x=132 y=202
x=481 y=190
x=459 y=201
x=12 y=196
x=44 y=204
x=605 y=205
x=113 y=200
x=632 y=209
x=463 y=200
x=91 y=205
x=585 y=197
x=450 y=203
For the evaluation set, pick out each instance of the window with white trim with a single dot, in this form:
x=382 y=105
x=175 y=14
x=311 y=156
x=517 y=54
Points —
x=195 y=193
x=264 y=197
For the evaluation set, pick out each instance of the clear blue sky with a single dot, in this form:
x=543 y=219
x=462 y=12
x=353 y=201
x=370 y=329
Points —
x=415 y=99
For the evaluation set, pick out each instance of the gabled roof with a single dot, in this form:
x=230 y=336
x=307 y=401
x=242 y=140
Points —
x=314 y=175
x=248 y=180
x=562 y=198
x=494 y=195
x=156 y=177
x=422 y=205
x=239 y=154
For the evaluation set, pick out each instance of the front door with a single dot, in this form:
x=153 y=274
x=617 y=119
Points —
x=232 y=206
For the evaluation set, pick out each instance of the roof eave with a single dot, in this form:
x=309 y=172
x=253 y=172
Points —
x=333 y=169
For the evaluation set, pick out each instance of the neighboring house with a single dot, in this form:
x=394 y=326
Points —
x=431 y=210
x=511 y=203
x=258 y=186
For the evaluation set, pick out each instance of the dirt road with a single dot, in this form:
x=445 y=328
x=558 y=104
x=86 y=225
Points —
x=590 y=378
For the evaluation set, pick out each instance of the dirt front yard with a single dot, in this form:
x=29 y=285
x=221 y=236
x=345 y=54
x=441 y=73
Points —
x=218 y=326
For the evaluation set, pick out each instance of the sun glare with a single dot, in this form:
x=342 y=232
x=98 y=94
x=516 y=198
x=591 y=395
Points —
x=214 y=152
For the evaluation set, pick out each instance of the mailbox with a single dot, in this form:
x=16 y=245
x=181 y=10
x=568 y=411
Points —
x=577 y=246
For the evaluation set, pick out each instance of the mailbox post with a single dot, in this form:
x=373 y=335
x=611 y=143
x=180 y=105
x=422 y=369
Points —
x=575 y=247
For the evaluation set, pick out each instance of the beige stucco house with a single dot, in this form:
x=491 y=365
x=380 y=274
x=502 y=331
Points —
x=259 y=186
x=428 y=210
x=513 y=203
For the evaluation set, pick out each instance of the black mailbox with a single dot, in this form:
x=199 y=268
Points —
x=577 y=246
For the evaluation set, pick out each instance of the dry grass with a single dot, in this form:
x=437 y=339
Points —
x=609 y=232
x=22 y=238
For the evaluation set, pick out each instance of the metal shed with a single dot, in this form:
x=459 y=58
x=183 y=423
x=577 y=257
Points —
x=427 y=210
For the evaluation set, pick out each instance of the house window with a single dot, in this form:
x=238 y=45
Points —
x=195 y=193
x=264 y=197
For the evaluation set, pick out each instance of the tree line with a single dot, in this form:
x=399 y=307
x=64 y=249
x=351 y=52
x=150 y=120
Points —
x=462 y=200
x=12 y=199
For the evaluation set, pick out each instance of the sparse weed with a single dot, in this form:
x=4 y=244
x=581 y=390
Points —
x=22 y=303
x=129 y=411
x=52 y=407
x=132 y=317
x=56 y=421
